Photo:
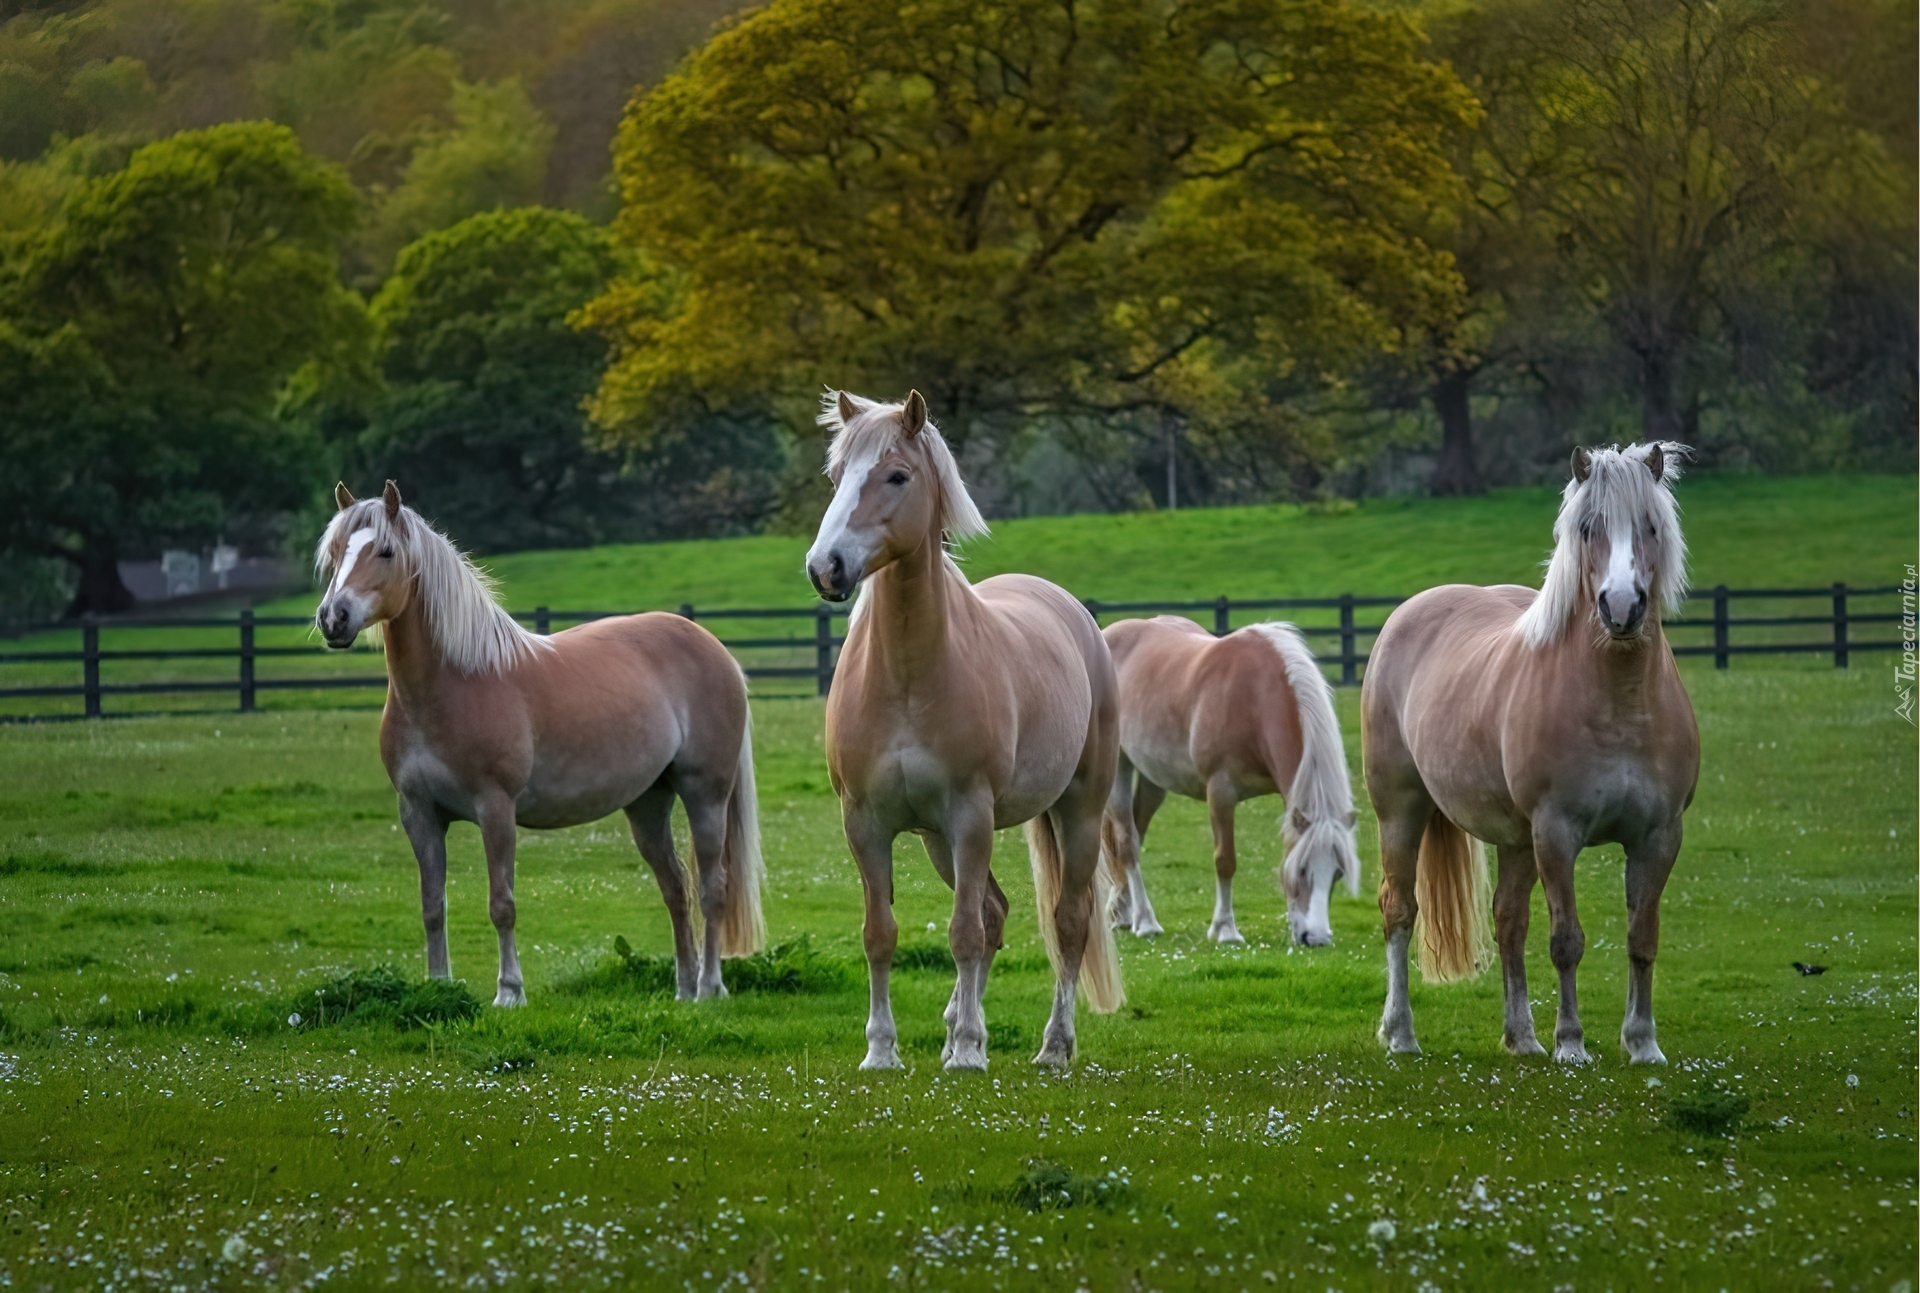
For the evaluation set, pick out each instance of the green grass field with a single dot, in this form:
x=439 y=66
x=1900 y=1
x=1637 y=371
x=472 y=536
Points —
x=175 y=890
x=1745 y=531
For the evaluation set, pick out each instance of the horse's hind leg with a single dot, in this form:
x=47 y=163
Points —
x=1648 y=867
x=427 y=832
x=706 y=805
x=1078 y=833
x=1555 y=846
x=650 y=817
x=1402 y=824
x=1147 y=798
x=1220 y=806
x=1512 y=909
x=498 y=833
x=1121 y=834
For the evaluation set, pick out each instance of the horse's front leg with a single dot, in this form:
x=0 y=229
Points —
x=499 y=835
x=427 y=832
x=1555 y=847
x=1512 y=910
x=1648 y=867
x=1220 y=806
x=969 y=842
x=1403 y=821
x=872 y=848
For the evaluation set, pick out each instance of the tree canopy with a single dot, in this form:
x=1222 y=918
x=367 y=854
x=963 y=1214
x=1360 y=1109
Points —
x=1029 y=211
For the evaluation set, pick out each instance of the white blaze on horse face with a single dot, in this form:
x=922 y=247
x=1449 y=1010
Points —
x=342 y=612
x=835 y=538
x=1620 y=583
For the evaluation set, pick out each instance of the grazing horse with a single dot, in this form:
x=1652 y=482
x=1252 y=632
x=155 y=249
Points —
x=490 y=724
x=957 y=710
x=1226 y=719
x=1541 y=723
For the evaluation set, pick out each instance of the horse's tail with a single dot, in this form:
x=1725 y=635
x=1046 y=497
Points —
x=1320 y=799
x=743 y=930
x=1100 y=966
x=1452 y=897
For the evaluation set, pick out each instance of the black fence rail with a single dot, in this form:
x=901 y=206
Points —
x=1344 y=626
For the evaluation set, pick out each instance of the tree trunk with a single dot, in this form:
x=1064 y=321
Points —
x=101 y=591
x=1457 y=472
x=1660 y=414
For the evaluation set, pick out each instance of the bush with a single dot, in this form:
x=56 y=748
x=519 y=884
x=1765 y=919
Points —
x=383 y=996
x=1712 y=1108
x=1044 y=1186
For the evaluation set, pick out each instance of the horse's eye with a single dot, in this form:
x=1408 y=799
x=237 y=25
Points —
x=898 y=478
x=387 y=553
x=1583 y=531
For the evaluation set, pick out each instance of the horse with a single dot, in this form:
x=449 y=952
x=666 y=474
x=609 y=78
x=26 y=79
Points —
x=1541 y=723
x=488 y=723
x=957 y=710
x=1222 y=720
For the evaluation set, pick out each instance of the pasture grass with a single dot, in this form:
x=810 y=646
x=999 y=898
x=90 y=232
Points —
x=175 y=891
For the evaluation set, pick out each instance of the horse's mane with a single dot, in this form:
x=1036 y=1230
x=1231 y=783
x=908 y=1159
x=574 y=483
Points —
x=473 y=633
x=875 y=428
x=1620 y=492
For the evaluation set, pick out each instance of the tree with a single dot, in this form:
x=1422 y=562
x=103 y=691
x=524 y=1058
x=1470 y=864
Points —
x=152 y=328
x=1032 y=212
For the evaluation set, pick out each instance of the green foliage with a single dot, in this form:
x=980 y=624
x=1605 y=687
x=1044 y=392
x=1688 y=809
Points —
x=1048 y=213
x=795 y=966
x=148 y=334
x=1711 y=1108
x=383 y=997
x=1046 y=1186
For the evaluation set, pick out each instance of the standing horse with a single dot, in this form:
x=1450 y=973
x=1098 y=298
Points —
x=957 y=710
x=1215 y=719
x=490 y=724
x=1542 y=723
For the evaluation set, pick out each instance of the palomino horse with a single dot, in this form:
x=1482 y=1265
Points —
x=955 y=711
x=491 y=724
x=1541 y=723
x=1227 y=719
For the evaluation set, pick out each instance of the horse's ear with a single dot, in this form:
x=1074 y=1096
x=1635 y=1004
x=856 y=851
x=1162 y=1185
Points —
x=391 y=497
x=848 y=409
x=914 y=415
x=342 y=496
x=1657 y=460
x=1582 y=464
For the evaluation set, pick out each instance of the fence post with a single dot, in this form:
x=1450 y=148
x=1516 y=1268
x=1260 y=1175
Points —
x=1349 y=665
x=1220 y=625
x=542 y=621
x=1839 y=626
x=1720 y=653
x=90 y=663
x=823 y=647
x=686 y=611
x=246 y=660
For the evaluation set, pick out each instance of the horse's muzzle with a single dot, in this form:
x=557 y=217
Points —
x=1631 y=625
x=830 y=579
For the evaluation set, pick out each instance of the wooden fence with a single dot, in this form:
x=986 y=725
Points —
x=1344 y=624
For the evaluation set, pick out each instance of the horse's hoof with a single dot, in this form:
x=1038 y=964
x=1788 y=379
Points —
x=510 y=996
x=967 y=1057
x=1224 y=934
x=878 y=1058
x=1147 y=929
x=1398 y=1042
x=1054 y=1057
x=1528 y=1045
x=1647 y=1052
x=710 y=993
x=1571 y=1053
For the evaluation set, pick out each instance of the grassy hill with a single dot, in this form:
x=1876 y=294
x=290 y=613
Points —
x=1743 y=530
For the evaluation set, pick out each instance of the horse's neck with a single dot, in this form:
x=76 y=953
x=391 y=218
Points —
x=1625 y=675
x=910 y=610
x=414 y=666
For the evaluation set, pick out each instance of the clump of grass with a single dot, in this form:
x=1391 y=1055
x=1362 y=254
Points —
x=1045 y=1186
x=792 y=967
x=909 y=957
x=795 y=966
x=383 y=996
x=1712 y=1108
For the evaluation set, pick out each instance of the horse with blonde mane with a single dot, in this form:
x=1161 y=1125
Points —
x=488 y=723
x=957 y=710
x=1542 y=723
x=1222 y=720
